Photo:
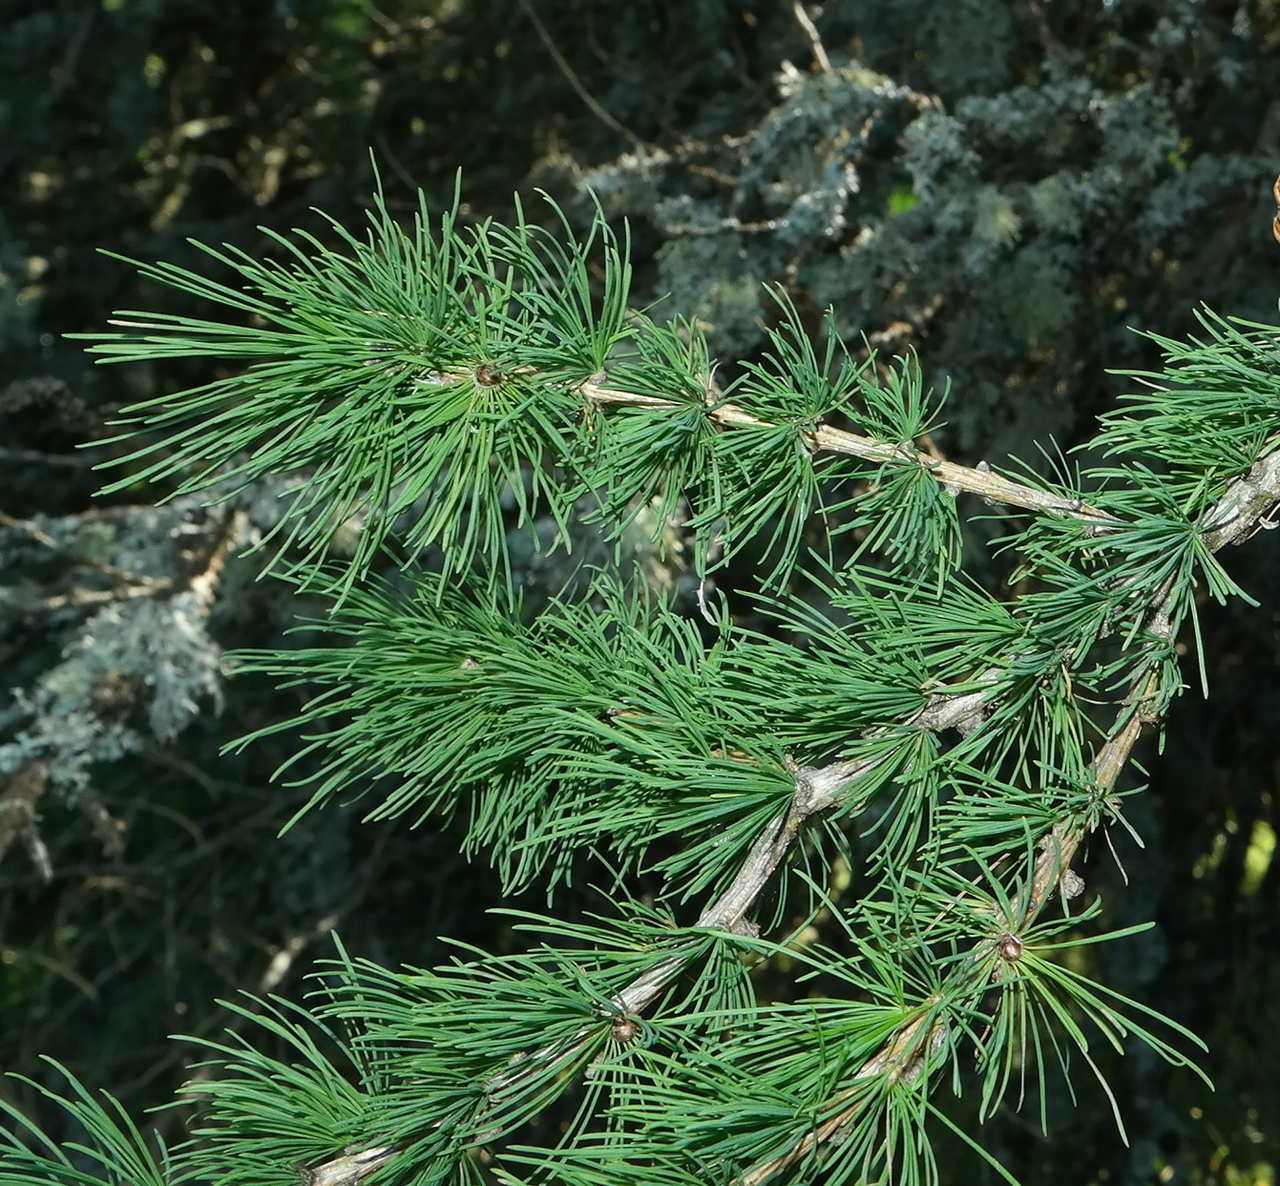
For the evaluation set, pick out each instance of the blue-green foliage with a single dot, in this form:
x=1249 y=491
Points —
x=981 y=181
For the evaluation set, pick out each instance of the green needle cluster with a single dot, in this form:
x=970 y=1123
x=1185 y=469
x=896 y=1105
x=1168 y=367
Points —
x=874 y=784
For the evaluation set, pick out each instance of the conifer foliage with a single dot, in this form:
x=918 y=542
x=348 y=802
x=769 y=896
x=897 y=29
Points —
x=424 y=388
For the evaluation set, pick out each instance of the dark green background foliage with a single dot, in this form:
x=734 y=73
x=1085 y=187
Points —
x=1004 y=187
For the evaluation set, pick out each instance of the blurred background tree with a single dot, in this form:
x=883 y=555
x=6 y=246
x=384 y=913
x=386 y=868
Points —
x=1005 y=187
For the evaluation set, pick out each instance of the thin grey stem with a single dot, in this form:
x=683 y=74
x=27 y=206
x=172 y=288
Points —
x=1241 y=512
